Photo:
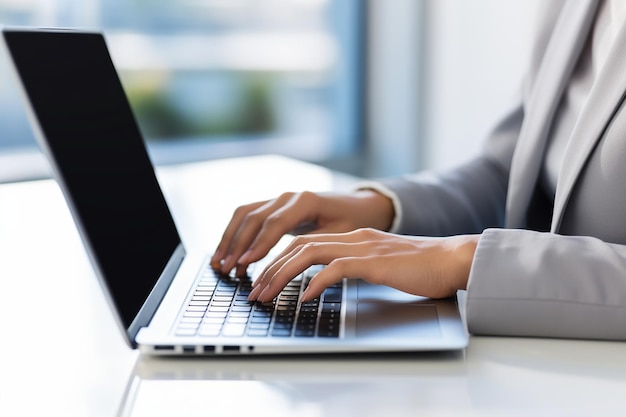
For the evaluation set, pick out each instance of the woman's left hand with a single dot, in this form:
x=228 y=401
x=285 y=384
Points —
x=430 y=267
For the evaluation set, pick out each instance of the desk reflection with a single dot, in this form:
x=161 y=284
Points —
x=493 y=376
x=312 y=385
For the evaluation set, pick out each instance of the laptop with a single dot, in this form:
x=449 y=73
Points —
x=167 y=300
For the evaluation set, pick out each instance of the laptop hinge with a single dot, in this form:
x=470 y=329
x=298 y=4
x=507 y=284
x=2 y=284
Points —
x=149 y=307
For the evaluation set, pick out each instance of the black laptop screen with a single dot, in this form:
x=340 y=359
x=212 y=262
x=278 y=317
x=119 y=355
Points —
x=90 y=131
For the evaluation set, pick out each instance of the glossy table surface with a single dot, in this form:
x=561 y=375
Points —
x=62 y=355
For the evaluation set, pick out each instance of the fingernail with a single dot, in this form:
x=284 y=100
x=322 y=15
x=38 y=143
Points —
x=253 y=294
x=226 y=265
x=215 y=260
x=245 y=258
x=261 y=298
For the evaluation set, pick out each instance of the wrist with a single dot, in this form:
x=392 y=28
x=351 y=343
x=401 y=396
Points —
x=381 y=207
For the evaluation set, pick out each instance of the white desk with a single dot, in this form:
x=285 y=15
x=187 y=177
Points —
x=61 y=354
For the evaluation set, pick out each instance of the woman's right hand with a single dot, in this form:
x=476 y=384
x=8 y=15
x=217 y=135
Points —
x=255 y=228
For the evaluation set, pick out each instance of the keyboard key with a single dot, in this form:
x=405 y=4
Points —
x=214 y=314
x=196 y=308
x=191 y=320
x=233 y=330
x=281 y=333
x=307 y=316
x=230 y=293
x=239 y=313
x=264 y=307
x=223 y=298
x=241 y=308
x=304 y=333
x=258 y=326
x=213 y=320
x=199 y=303
x=220 y=304
x=257 y=319
x=331 y=307
x=185 y=332
x=262 y=313
x=209 y=330
x=193 y=314
x=328 y=330
x=240 y=320
x=332 y=295
x=306 y=326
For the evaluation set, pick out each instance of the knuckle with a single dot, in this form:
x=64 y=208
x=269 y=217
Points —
x=338 y=265
x=309 y=246
x=252 y=218
x=365 y=233
x=284 y=197
x=308 y=195
x=245 y=212
x=275 y=219
x=370 y=231
x=305 y=197
x=299 y=241
x=241 y=211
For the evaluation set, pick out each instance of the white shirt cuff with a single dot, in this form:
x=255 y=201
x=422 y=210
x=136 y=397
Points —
x=387 y=192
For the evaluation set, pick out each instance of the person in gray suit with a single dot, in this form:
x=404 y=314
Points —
x=534 y=228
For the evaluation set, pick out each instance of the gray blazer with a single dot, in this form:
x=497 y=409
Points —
x=542 y=268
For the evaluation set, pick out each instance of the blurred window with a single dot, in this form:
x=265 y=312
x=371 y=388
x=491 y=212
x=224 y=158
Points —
x=218 y=78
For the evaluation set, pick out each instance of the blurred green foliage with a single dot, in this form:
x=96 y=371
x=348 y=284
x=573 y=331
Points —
x=160 y=118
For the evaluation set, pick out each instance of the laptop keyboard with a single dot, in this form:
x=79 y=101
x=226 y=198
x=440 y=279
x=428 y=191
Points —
x=219 y=306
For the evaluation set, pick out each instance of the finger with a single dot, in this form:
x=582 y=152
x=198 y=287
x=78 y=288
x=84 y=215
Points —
x=297 y=211
x=294 y=247
x=248 y=228
x=296 y=262
x=305 y=251
x=261 y=282
x=350 y=237
x=231 y=229
x=335 y=271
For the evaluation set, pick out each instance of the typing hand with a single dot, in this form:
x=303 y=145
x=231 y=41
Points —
x=255 y=228
x=434 y=268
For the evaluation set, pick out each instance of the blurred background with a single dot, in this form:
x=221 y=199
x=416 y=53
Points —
x=373 y=88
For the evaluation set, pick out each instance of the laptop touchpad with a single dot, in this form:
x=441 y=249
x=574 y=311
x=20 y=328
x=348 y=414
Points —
x=396 y=319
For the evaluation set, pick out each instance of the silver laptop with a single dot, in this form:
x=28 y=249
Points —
x=166 y=300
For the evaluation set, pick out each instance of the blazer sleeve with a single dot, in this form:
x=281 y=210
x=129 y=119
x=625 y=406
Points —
x=467 y=199
x=526 y=283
